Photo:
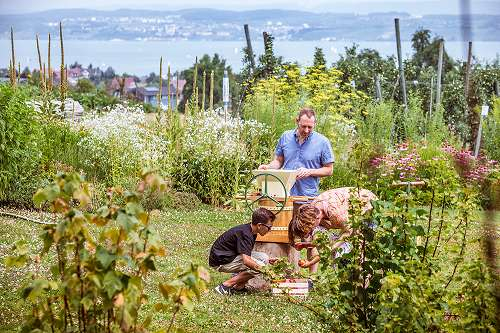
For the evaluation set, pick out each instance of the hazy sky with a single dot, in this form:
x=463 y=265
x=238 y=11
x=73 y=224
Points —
x=361 y=6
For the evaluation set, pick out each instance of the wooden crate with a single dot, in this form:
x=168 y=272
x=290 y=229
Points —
x=293 y=287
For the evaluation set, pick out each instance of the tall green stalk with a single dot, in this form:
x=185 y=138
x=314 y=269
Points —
x=159 y=91
x=49 y=69
x=443 y=204
x=168 y=89
x=195 y=84
x=13 y=75
x=211 y=106
x=63 y=83
x=42 y=71
x=204 y=78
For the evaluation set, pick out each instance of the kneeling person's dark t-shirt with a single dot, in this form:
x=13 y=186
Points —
x=237 y=240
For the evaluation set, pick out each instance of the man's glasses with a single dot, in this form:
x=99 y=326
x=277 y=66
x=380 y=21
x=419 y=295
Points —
x=267 y=226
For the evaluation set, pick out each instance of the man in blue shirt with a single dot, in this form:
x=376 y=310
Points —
x=306 y=151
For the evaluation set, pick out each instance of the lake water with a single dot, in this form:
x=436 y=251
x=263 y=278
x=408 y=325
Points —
x=142 y=57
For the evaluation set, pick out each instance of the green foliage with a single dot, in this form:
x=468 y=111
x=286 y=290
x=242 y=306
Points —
x=414 y=121
x=181 y=292
x=392 y=279
x=362 y=66
x=491 y=130
x=84 y=86
x=343 y=175
x=319 y=58
x=483 y=83
x=400 y=310
x=454 y=104
x=20 y=136
x=472 y=305
x=281 y=269
x=269 y=64
x=97 y=282
x=376 y=126
x=95 y=100
x=437 y=132
x=427 y=51
x=60 y=145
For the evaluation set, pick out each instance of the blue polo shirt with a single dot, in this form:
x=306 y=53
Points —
x=313 y=153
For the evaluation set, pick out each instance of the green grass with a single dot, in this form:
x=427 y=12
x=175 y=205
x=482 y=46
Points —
x=187 y=236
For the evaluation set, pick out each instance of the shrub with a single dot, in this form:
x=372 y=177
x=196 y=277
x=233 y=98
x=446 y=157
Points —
x=98 y=283
x=472 y=305
x=213 y=153
x=20 y=138
x=376 y=125
x=391 y=281
x=95 y=101
x=118 y=145
x=491 y=130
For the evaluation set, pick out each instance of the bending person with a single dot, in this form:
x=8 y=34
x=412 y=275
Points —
x=329 y=210
x=233 y=252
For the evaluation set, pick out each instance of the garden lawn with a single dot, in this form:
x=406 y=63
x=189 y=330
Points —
x=187 y=235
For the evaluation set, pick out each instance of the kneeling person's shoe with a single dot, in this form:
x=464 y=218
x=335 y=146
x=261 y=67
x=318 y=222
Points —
x=241 y=291
x=223 y=290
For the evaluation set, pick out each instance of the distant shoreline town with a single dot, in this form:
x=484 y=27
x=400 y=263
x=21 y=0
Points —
x=220 y=25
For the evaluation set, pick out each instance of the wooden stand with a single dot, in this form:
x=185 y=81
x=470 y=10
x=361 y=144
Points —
x=279 y=231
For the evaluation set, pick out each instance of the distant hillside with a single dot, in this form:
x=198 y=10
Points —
x=220 y=25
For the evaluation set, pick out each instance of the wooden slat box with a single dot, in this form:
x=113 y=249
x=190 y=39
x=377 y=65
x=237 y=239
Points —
x=292 y=287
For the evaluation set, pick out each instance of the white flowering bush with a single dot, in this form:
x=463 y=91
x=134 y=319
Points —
x=214 y=152
x=120 y=143
x=210 y=135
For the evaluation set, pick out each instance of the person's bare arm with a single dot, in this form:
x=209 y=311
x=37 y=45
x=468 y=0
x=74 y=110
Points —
x=250 y=263
x=314 y=258
x=324 y=171
x=346 y=233
x=277 y=163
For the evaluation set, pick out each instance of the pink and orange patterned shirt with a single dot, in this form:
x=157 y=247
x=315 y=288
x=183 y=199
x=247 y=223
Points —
x=335 y=205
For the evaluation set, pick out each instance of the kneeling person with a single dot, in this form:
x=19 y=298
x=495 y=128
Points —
x=233 y=251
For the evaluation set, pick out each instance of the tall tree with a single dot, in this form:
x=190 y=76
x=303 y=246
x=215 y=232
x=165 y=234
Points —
x=208 y=64
x=109 y=74
x=319 y=58
x=363 y=65
x=421 y=39
x=268 y=63
x=427 y=51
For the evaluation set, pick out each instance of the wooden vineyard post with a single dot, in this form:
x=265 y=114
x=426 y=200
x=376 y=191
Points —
x=249 y=48
x=400 y=63
x=439 y=73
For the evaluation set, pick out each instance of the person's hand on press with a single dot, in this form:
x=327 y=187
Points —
x=303 y=173
x=264 y=167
